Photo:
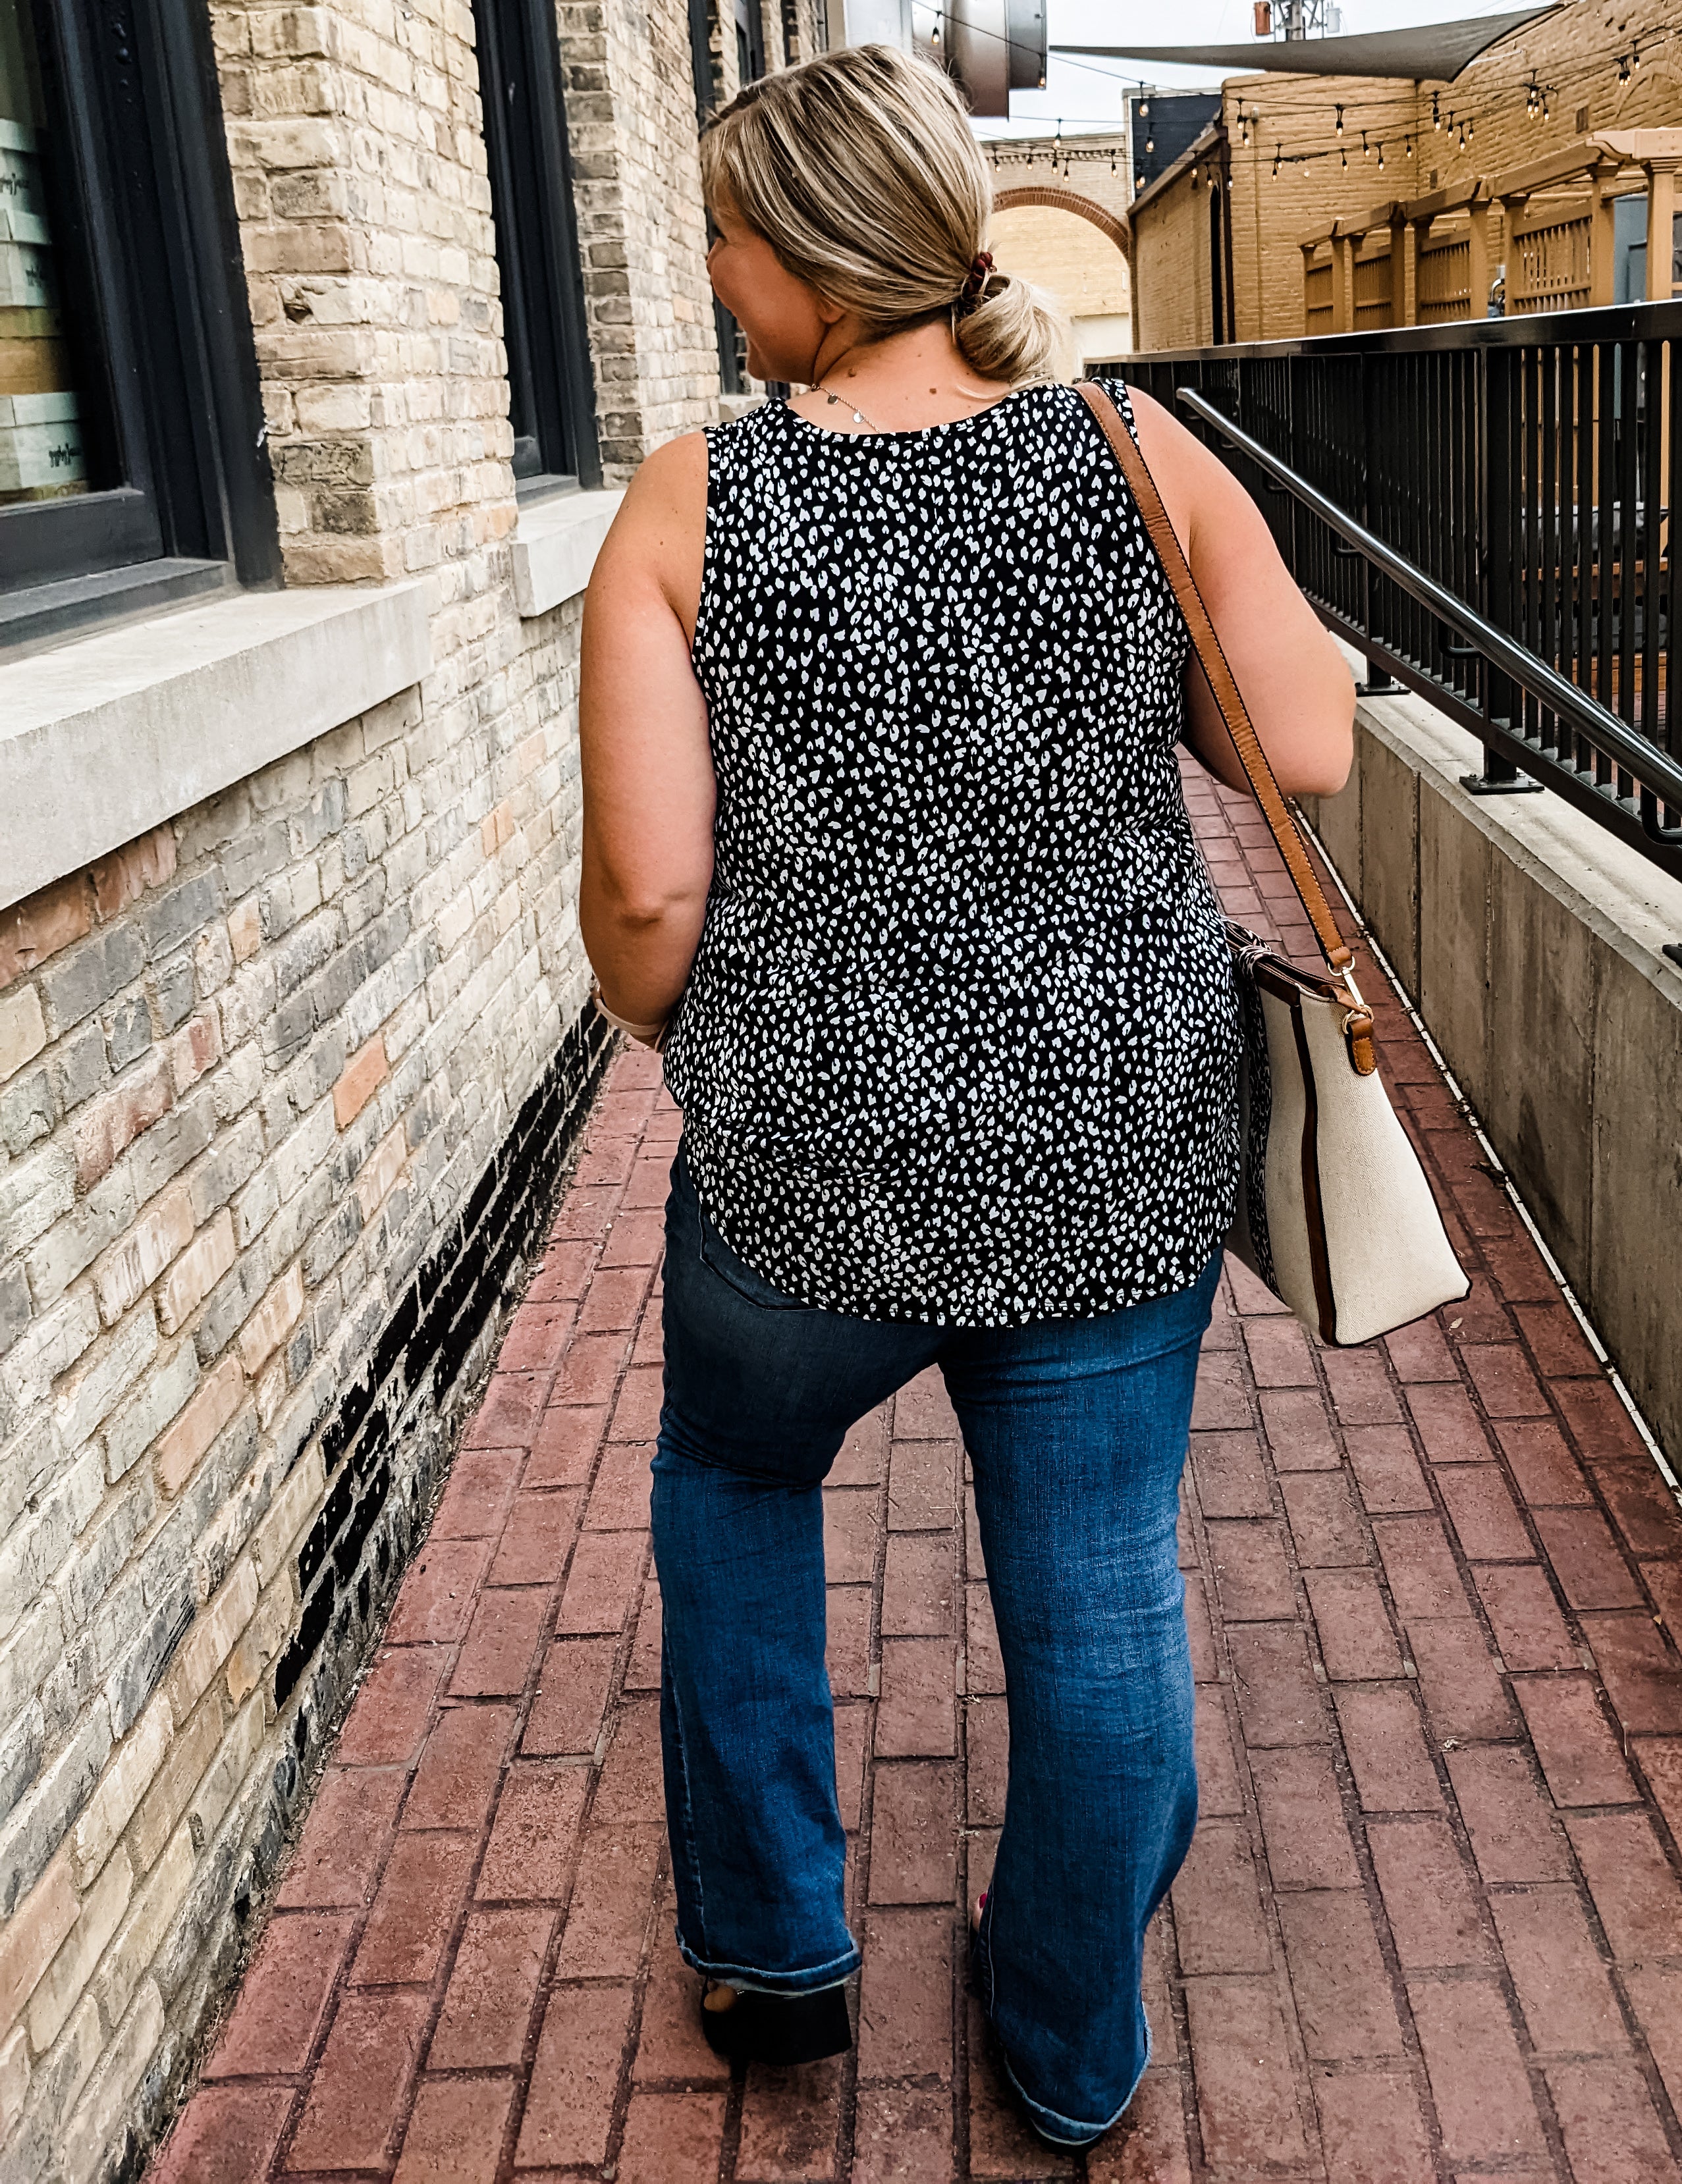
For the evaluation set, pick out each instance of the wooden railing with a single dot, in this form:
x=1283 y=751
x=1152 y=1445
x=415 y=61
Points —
x=1445 y=289
x=1374 y=300
x=1548 y=260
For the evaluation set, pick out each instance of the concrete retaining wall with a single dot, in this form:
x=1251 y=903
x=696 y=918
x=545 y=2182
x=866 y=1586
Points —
x=1531 y=942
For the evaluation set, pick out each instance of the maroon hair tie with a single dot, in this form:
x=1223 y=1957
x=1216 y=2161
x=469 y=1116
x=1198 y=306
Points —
x=975 y=281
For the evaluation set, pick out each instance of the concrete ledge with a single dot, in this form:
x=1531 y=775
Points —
x=555 y=548
x=107 y=736
x=1531 y=941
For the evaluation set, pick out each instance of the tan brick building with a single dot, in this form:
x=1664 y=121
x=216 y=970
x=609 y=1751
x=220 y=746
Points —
x=1217 y=238
x=1061 y=222
x=324 y=431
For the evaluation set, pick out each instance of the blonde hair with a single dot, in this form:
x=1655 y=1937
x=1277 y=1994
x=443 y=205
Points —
x=860 y=169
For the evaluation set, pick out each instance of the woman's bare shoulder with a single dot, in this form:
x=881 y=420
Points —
x=669 y=485
x=1197 y=489
x=660 y=531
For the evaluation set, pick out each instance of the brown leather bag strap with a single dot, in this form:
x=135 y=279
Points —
x=1222 y=681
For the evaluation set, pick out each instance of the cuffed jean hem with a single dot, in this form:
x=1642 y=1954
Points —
x=1056 y=2129
x=1064 y=2130
x=751 y=1980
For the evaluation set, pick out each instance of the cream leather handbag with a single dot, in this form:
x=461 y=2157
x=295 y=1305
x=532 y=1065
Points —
x=1335 y=1214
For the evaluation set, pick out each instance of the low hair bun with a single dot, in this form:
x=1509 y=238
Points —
x=861 y=171
x=1017 y=332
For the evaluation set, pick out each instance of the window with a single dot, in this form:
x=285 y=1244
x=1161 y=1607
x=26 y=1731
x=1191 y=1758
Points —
x=750 y=54
x=551 y=399
x=750 y=41
x=131 y=470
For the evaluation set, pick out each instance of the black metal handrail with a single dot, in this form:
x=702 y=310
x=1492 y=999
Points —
x=1652 y=768
x=1485 y=511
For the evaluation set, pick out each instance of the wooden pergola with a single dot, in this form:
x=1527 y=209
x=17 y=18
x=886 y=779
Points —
x=1429 y=260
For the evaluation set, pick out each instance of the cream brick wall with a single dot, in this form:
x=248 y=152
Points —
x=279 y=1042
x=1065 y=253
x=254 y=1066
x=631 y=116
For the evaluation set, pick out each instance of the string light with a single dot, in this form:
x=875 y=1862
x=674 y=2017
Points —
x=1462 y=128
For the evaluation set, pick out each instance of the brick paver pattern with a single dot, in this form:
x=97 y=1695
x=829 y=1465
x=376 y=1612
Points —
x=1430 y=1929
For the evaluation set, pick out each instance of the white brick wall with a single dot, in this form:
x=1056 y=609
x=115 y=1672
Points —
x=253 y=1066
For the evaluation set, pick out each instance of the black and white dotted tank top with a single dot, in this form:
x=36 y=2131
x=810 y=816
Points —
x=960 y=1044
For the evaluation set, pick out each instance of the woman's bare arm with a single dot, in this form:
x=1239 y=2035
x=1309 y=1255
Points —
x=649 y=790
x=1299 y=693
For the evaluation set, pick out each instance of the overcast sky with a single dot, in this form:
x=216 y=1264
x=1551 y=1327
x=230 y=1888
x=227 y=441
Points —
x=1087 y=93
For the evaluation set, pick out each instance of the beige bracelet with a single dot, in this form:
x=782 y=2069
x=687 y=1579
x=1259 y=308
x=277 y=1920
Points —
x=646 y=1035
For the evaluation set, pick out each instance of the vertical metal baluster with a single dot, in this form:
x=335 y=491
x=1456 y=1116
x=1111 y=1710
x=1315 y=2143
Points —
x=1499 y=492
x=1628 y=486
x=1552 y=520
x=1672 y=661
x=1606 y=540
x=1651 y=494
x=1582 y=553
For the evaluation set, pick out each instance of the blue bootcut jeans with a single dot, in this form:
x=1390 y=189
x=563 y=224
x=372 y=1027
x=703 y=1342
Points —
x=1076 y=1432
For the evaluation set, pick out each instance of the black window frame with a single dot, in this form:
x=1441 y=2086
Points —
x=551 y=388
x=147 y=252
x=747 y=25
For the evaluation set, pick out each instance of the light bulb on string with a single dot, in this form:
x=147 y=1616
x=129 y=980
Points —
x=1470 y=127
x=1340 y=121
x=1344 y=156
x=1366 y=148
x=1436 y=117
x=1381 y=157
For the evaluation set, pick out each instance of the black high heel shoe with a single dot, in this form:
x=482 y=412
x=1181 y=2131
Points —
x=779 y=2029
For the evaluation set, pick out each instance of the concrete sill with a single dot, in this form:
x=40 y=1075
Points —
x=108 y=735
x=555 y=544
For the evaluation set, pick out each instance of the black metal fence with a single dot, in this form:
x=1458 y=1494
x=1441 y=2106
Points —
x=1485 y=511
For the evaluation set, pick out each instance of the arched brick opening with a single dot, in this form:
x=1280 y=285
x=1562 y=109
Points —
x=1114 y=225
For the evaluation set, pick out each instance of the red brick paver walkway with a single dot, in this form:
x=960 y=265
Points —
x=1431 y=1927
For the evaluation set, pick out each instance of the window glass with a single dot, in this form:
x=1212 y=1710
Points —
x=40 y=445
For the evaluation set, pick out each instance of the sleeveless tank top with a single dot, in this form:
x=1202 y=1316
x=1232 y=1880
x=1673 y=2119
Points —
x=960 y=1043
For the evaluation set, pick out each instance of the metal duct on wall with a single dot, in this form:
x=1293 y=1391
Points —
x=991 y=47
x=994 y=47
